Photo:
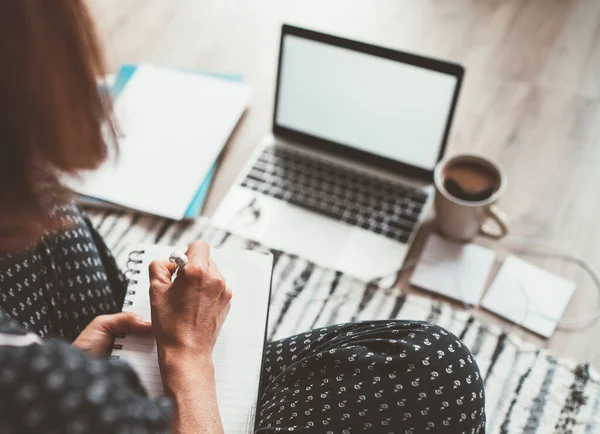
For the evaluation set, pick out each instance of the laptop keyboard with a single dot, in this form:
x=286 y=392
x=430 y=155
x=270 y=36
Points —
x=379 y=206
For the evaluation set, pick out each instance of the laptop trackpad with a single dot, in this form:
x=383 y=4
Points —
x=327 y=242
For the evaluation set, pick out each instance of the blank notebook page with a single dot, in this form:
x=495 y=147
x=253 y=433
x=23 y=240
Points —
x=238 y=353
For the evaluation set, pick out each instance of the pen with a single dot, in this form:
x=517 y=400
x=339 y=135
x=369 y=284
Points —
x=180 y=259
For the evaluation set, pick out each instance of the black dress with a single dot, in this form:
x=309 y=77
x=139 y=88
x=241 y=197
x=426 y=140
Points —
x=381 y=377
x=59 y=286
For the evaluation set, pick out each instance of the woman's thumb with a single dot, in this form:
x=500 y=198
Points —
x=127 y=322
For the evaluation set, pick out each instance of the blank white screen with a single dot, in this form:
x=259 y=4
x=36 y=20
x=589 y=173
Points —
x=377 y=105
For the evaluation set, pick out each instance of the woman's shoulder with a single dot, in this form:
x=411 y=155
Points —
x=71 y=219
x=73 y=233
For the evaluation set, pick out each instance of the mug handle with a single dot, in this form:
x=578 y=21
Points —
x=501 y=220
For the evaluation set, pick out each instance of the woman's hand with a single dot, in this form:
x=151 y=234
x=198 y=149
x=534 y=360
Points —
x=97 y=338
x=187 y=316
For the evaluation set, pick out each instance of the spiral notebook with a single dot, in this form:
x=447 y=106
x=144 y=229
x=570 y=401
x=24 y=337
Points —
x=238 y=354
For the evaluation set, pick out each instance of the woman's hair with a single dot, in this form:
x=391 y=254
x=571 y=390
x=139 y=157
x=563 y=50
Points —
x=51 y=114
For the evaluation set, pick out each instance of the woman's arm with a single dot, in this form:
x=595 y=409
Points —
x=187 y=316
x=49 y=386
x=191 y=386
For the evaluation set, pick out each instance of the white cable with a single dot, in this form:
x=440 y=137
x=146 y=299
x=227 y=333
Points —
x=566 y=324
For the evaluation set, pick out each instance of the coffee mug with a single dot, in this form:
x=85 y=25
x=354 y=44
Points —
x=461 y=218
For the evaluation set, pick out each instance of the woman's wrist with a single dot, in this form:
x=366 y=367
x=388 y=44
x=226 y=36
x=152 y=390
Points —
x=180 y=368
x=182 y=358
x=189 y=380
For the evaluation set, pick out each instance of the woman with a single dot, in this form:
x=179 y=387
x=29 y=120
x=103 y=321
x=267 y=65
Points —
x=58 y=280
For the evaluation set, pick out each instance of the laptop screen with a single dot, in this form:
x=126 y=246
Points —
x=369 y=103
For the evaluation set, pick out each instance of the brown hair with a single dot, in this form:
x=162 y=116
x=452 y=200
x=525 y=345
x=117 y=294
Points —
x=51 y=114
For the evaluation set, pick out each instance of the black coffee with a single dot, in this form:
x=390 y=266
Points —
x=470 y=181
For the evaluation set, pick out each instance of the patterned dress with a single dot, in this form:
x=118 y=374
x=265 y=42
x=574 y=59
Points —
x=402 y=377
x=380 y=377
x=59 y=286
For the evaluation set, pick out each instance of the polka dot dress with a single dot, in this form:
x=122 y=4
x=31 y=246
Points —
x=400 y=377
x=56 y=288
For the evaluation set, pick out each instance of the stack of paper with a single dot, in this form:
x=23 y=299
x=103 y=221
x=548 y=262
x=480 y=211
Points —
x=174 y=125
x=521 y=292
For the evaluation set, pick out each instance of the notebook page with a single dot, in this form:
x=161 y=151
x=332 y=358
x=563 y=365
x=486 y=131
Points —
x=174 y=124
x=238 y=353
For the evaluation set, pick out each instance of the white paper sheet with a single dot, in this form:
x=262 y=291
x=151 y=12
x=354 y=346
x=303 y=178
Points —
x=238 y=353
x=455 y=270
x=174 y=125
x=529 y=296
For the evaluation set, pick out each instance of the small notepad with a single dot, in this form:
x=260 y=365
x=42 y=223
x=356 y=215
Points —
x=238 y=354
x=529 y=296
x=455 y=270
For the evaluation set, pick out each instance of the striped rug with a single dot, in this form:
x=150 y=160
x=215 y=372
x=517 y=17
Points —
x=528 y=389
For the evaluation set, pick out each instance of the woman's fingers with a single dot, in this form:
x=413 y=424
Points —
x=97 y=338
x=226 y=296
x=198 y=254
x=227 y=309
x=160 y=272
x=124 y=323
x=214 y=270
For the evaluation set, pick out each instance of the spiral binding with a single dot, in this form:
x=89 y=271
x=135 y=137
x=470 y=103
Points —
x=131 y=270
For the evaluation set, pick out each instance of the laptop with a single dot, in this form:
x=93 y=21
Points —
x=345 y=178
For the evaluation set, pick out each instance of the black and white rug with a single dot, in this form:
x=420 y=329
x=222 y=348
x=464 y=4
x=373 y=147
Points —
x=528 y=389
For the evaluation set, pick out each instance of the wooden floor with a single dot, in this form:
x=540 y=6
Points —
x=530 y=99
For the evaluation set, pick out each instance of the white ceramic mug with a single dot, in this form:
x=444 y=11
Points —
x=463 y=220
